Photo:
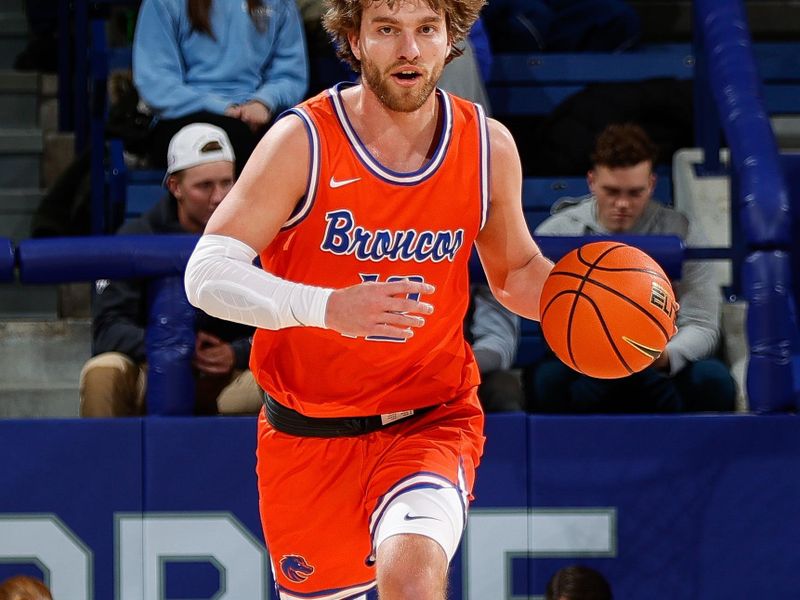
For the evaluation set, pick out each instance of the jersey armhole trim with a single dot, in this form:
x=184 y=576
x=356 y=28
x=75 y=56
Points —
x=483 y=150
x=305 y=203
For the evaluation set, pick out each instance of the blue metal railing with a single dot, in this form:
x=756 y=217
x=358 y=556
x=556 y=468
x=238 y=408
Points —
x=169 y=337
x=727 y=83
x=161 y=259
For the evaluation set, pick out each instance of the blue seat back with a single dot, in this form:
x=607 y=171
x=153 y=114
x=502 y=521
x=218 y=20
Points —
x=534 y=84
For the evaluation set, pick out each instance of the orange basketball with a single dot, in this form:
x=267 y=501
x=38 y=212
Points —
x=607 y=310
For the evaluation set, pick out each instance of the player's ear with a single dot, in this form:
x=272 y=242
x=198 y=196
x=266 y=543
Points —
x=172 y=185
x=590 y=179
x=352 y=39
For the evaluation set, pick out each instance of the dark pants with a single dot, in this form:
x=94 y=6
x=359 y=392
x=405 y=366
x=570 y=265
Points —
x=41 y=53
x=242 y=139
x=501 y=391
x=705 y=385
x=42 y=16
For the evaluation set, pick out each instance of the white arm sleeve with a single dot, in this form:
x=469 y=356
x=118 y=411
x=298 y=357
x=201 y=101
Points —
x=221 y=280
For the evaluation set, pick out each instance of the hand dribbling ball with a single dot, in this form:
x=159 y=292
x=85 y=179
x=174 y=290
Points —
x=607 y=310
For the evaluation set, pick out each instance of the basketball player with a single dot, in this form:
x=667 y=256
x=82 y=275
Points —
x=363 y=204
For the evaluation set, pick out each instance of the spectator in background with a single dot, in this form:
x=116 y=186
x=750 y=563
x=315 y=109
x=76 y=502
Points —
x=41 y=52
x=577 y=582
x=466 y=76
x=233 y=64
x=23 y=587
x=687 y=376
x=325 y=68
x=561 y=25
x=199 y=175
x=493 y=332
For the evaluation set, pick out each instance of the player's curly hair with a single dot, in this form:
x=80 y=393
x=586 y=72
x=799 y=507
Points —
x=622 y=145
x=344 y=16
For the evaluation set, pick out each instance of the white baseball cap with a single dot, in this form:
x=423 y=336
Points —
x=197 y=144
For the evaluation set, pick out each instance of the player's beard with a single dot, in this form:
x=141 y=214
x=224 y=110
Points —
x=397 y=98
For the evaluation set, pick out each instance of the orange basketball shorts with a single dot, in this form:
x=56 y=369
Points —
x=317 y=496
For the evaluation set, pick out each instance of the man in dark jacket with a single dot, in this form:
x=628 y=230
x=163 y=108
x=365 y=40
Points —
x=200 y=173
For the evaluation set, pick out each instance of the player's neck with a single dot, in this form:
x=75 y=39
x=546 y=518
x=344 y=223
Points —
x=399 y=140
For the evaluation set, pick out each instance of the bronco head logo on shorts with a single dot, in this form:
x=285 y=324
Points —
x=296 y=568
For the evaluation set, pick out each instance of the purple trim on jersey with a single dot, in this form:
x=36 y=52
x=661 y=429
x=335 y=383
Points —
x=372 y=164
x=306 y=203
x=417 y=486
x=412 y=476
x=484 y=150
x=323 y=593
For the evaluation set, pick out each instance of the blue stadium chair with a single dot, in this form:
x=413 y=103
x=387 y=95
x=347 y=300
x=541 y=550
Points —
x=534 y=84
x=131 y=191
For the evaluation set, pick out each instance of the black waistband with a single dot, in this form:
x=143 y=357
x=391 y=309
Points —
x=292 y=422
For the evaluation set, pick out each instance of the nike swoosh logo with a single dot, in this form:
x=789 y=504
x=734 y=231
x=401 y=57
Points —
x=337 y=184
x=410 y=517
x=646 y=350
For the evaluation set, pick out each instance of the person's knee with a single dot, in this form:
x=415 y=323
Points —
x=707 y=385
x=109 y=386
x=411 y=567
x=547 y=386
x=241 y=397
x=434 y=513
x=415 y=537
x=501 y=391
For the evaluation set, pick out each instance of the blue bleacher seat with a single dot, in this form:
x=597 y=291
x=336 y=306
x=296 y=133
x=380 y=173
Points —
x=143 y=190
x=534 y=84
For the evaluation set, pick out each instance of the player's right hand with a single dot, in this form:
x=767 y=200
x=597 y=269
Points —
x=378 y=309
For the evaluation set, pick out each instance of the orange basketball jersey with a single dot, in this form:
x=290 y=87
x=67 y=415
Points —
x=360 y=221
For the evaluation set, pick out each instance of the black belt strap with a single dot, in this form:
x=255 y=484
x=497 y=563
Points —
x=290 y=421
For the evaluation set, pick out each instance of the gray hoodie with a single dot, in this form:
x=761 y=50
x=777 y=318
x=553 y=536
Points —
x=697 y=292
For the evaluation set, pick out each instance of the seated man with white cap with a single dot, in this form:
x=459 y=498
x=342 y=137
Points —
x=200 y=173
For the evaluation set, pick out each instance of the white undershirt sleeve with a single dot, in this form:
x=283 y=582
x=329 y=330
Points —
x=222 y=280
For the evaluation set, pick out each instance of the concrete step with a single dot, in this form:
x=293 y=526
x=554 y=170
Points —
x=20 y=199
x=41 y=365
x=17 y=207
x=58 y=154
x=19 y=100
x=12 y=19
x=13 y=34
x=787 y=131
x=18 y=301
x=50 y=403
x=20 y=158
x=15 y=225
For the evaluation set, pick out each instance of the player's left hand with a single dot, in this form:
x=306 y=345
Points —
x=378 y=309
x=662 y=362
x=254 y=114
x=212 y=355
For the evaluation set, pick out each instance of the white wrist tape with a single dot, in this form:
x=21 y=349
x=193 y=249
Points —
x=221 y=280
